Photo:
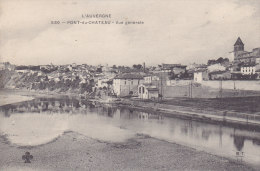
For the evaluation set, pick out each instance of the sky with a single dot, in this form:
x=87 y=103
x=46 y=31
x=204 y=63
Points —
x=174 y=31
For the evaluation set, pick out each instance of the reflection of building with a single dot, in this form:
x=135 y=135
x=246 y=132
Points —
x=239 y=142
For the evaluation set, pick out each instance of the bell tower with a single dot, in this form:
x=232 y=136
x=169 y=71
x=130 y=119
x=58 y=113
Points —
x=238 y=47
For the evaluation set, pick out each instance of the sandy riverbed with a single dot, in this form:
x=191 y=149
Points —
x=73 y=151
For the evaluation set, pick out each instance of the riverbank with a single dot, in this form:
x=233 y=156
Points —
x=213 y=110
x=73 y=151
x=249 y=120
x=20 y=95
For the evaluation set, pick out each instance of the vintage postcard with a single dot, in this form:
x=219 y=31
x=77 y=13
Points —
x=129 y=85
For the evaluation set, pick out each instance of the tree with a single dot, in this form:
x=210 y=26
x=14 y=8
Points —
x=220 y=60
x=139 y=66
x=99 y=69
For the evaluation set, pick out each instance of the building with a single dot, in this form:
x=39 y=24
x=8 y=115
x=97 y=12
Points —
x=148 y=91
x=220 y=75
x=240 y=55
x=7 y=66
x=216 y=67
x=249 y=69
x=201 y=75
x=127 y=84
x=175 y=68
x=153 y=79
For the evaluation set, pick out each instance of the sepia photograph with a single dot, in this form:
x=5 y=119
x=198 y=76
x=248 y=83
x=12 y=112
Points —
x=129 y=85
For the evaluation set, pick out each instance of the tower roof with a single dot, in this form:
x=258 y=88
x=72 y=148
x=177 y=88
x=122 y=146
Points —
x=239 y=42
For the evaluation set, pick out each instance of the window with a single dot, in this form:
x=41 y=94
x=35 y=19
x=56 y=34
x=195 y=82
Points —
x=125 y=82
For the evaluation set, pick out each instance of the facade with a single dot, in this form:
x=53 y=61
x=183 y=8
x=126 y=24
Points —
x=148 y=91
x=153 y=79
x=216 y=67
x=201 y=75
x=220 y=75
x=249 y=69
x=127 y=84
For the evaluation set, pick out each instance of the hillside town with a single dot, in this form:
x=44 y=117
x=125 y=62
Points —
x=138 y=81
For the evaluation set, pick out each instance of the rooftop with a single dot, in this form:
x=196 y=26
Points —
x=168 y=66
x=239 y=42
x=129 y=76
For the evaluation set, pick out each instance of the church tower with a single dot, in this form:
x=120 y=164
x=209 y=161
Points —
x=239 y=45
x=238 y=48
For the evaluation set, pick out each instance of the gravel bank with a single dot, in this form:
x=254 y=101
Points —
x=73 y=151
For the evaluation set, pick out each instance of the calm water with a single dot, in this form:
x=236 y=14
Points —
x=41 y=120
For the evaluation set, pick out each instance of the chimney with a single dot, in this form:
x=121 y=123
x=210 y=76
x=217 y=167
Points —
x=144 y=67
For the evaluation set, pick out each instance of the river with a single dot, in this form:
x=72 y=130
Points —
x=42 y=120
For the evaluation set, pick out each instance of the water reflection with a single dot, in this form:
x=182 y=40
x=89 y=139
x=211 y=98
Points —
x=42 y=120
x=239 y=142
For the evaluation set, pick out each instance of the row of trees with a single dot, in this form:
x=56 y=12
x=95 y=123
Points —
x=218 y=61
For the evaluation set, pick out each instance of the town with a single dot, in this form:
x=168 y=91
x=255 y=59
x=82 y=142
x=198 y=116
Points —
x=220 y=77
x=130 y=85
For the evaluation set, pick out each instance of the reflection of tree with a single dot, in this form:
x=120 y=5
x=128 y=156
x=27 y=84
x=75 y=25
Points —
x=7 y=112
x=205 y=134
x=184 y=129
x=109 y=112
x=256 y=141
x=68 y=102
x=239 y=142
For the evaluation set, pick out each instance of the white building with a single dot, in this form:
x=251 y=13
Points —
x=147 y=91
x=216 y=67
x=201 y=75
x=249 y=69
x=127 y=84
x=151 y=79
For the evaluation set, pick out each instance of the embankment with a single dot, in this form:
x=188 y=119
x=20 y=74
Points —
x=214 y=116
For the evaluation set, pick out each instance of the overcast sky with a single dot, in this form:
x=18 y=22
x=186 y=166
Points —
x=174 y=31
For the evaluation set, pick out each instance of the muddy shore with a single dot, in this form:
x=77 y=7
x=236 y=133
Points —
x=73 y=151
